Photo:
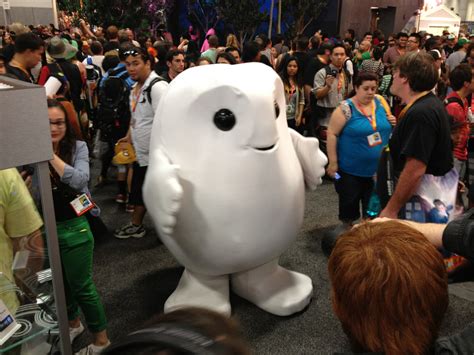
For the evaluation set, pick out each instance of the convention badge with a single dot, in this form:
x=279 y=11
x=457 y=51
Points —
x=374 y=139
x=8 y=324
x=81 y=204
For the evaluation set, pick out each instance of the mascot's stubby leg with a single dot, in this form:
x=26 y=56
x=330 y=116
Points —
x=197 y=290
x=274 y=288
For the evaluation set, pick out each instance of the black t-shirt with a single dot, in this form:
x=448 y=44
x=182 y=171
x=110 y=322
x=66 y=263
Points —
x=312 y=67
x=265 y=60
x=160 y=68
x=424 y=134
x=448 y=50
x=303 y=58
x=166 y=76
x=73 y=75
x=19 y=74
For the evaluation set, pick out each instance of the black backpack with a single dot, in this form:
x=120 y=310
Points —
x=57 y=71
x=148 y=89
x=454 y=99
x=113 y=112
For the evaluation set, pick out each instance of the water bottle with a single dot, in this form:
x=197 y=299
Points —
x=374 y=207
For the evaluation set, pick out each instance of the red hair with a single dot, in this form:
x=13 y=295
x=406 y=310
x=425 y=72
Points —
x=389 y=288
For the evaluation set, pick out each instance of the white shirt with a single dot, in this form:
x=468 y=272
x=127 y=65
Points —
x=143 y=114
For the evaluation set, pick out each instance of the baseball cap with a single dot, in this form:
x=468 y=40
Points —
x=124 y=154
x=435 y=54
x=462 y=41
x=451 y=36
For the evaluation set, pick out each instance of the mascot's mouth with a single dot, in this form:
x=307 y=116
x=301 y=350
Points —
x=266 y=149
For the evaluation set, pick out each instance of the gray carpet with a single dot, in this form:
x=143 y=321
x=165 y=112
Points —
x=135 y=276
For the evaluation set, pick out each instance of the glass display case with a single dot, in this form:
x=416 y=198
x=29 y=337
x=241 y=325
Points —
x=33 y=317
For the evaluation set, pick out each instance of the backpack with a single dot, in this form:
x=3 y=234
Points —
x=113 y=111
x=147 y=91
x=56 y=71
x=453 y=99
x=94 y=76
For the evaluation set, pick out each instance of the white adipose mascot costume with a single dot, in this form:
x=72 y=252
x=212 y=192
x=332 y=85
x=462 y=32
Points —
x=225 y=187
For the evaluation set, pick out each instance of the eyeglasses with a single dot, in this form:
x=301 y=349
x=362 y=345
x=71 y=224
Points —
x=58 y=123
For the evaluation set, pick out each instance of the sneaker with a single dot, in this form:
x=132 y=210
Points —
x=130 y=208
x=130 y=230
x=120 y=198
x=92 y=349
x=75 y=332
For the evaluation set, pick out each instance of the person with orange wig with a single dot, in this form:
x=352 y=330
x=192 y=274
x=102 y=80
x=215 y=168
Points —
x=389 y=286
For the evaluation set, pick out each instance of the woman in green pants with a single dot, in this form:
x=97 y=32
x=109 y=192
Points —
x=69 y=171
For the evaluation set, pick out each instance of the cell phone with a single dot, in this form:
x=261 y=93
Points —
x=337 y=176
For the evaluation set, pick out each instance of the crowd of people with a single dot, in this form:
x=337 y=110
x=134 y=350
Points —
x=393 y=116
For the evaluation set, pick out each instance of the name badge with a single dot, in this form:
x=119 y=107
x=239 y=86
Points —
x=8 y=324
x=374 y=139
x=81 y=204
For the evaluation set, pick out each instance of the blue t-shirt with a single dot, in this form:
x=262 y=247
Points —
x=355 y=155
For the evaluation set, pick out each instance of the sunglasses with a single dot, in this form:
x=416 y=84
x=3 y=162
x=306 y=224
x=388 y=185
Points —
x=132 y=52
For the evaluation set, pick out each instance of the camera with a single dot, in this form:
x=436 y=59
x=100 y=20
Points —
x=334 y=72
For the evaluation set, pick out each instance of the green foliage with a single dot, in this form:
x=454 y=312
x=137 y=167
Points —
x=122 y=13
x=203 y=12
x=244 y=16
x=300 y=14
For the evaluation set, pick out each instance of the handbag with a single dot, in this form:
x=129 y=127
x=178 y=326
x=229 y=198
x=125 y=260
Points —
x=97 y=225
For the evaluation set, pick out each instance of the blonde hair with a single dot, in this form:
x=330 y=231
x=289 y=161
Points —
x=232 y=41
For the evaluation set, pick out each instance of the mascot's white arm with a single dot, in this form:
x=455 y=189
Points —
x=312 y=159
x=164 y=193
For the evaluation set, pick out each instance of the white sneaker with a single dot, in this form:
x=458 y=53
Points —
x=75 y=332
x=130 y=230
x=92 y=349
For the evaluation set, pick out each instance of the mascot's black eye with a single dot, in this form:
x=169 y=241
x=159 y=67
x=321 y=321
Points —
x=224 y=119
x=277 y=110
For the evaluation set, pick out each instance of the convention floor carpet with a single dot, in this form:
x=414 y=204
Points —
x=135 y=276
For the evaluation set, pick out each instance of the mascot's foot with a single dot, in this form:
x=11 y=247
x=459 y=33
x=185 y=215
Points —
x=274 y=289
x=197 y=290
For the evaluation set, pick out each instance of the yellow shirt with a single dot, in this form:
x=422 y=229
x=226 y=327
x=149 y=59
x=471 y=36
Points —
x=18 y=217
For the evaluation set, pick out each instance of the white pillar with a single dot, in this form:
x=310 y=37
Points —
x=55 y=14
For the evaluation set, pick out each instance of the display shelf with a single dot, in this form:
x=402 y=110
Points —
x=25 y=139
x=36 y=314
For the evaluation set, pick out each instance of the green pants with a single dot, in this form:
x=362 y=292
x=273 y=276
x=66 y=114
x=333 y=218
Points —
x=76 y=245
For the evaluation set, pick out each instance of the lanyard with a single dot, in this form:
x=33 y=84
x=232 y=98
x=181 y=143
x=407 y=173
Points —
x=135 y=98
x=291 y=90
x=371 y=117
x=340 y=81
x=407 y=107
